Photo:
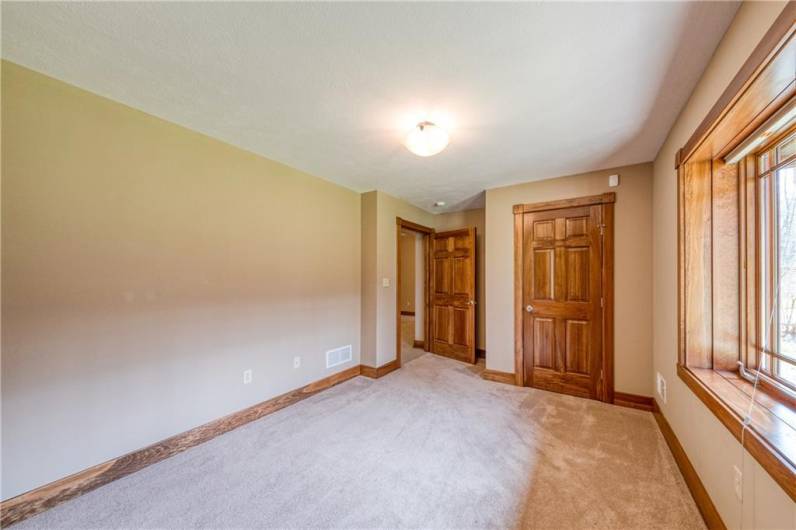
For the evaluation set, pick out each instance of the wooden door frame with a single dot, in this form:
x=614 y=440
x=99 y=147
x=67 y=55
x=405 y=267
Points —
x=403 y=224
x=607 y=201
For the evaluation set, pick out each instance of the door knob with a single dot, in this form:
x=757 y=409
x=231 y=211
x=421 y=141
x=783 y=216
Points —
x=529 y=308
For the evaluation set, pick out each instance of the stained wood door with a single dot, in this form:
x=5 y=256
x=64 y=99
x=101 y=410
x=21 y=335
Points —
x=562 y=300
x=453 y=294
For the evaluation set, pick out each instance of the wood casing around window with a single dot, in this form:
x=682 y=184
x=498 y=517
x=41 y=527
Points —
x=718 y=262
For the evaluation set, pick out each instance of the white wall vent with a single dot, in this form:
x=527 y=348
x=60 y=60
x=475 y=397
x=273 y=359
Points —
x=338 y=356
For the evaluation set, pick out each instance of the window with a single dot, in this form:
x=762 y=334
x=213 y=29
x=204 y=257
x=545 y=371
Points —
x=777 y=261
x=736 y=259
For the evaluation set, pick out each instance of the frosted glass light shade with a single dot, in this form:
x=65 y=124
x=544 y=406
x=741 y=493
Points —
x=426 y=139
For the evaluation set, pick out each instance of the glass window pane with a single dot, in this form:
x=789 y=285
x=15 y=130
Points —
x=765 y=267
x=786 y=266
x=787 y=372
x=786 y=149
x=764 y=162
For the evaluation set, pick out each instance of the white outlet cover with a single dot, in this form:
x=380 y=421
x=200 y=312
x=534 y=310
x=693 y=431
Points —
x=296 y=362
x=247 y=377
x=385 y=282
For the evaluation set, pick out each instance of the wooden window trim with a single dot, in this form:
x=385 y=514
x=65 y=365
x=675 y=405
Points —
x=607 y=200
x=770 y=45
x=770 y=438
x=717 y=241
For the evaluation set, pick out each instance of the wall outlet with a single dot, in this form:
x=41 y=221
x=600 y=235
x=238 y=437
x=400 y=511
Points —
x=247 y=377
x=297 y=362
x=661 y=386
x=738 y=482
x=385 y=282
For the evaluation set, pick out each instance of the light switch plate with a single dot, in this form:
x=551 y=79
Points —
x=385 y=282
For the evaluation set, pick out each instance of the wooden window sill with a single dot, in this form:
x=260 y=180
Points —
x=771 y=435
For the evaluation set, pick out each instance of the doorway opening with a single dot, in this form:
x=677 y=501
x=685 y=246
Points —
x=413 y=278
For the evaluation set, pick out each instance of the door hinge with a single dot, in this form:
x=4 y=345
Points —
x=602 y=302
x=602 y=230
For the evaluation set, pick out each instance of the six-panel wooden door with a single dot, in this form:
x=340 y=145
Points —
x=562 y=300
x=453 y=294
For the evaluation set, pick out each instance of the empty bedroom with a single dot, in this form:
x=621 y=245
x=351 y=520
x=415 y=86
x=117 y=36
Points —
x=382 y=265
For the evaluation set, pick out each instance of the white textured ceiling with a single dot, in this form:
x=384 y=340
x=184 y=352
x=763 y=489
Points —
x=527 y=90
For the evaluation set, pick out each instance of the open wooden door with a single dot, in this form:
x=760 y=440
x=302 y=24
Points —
x=453 y=294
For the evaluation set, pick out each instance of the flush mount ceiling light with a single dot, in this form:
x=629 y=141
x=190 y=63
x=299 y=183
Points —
x=426 y=139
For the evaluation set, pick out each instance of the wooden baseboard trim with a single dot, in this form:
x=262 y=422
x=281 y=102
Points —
x=498 y=377
x=408 y=313
x=633 y=401
x=45 y=497
x=480 y=352
x=419 y=344
x=705 y=505
x=381 y=371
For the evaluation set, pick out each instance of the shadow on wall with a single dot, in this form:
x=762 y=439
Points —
x=475 y=202
x=675 y=87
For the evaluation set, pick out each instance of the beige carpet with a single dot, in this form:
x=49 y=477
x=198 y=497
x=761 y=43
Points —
x=429 y=446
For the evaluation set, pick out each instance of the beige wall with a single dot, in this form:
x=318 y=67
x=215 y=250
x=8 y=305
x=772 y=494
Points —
x=145 y=268
x=408 y=271
x=466 y=219
x=389 y=208
x=632 y=262
x=370 y=282
x=379 y=262
x=711 y=448
x=379 y=259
